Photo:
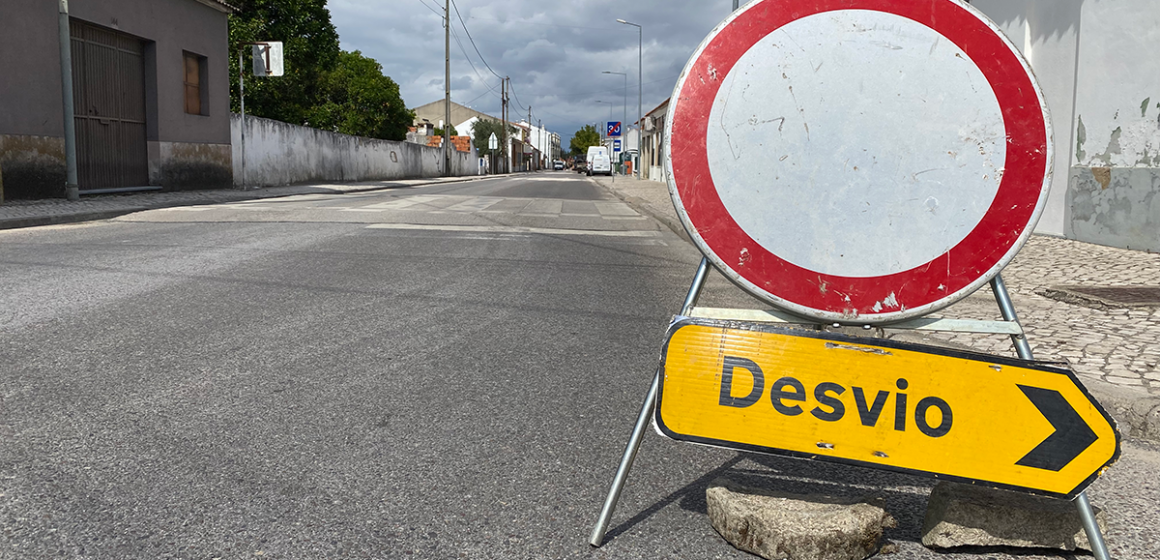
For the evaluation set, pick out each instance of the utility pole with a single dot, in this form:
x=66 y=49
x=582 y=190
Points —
x=504 y=153
x=447 y=89
x=734 y=5
x=71 y=188
x=530 y=163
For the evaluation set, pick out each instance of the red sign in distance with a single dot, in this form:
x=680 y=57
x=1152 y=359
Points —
x=862 y=161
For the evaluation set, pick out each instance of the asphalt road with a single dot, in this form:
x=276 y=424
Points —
x=434 y=372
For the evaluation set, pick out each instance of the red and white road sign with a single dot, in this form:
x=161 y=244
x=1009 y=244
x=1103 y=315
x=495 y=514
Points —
x=858 y=160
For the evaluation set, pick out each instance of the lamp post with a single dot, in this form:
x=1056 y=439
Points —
x=624 y=125
x=640 y=87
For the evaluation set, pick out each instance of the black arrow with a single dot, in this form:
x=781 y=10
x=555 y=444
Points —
x=1071 y=437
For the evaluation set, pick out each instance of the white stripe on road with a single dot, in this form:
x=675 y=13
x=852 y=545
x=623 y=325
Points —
x=515 y=229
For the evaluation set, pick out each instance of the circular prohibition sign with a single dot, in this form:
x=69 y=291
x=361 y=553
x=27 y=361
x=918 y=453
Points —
x=863 y=161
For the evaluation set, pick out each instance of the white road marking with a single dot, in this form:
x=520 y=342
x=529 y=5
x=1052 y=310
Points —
x=547 y=206
x=608 y=209
x=516 y=230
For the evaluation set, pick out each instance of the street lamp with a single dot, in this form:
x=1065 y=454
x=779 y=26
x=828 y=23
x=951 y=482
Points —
x=639 y=89
x=624 y=125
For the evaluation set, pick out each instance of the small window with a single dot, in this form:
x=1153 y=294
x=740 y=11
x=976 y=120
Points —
x=195 y=86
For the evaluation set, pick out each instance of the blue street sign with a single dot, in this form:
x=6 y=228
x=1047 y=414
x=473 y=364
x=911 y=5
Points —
x=615 y=146
x=614 y=128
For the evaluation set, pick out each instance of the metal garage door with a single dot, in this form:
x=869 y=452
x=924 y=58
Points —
x=109 y=100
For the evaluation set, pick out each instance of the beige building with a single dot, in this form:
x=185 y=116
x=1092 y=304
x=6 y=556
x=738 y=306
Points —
x=652 y=156
x=435 y=114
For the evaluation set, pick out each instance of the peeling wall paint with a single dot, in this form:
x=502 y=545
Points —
x=1133 y=144
x=1091 y=58
x=1117 y=206
x=278 y=153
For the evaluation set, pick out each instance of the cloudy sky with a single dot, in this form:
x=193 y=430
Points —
x=554 y=51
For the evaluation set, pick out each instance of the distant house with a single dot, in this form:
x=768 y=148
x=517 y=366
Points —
x=462 y=117
x=150 y=91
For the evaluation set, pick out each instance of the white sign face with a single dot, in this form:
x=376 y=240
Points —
x=858 y=160
x=492 y=142
x=268 y=59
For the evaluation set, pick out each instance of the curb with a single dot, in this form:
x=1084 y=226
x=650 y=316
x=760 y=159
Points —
x=37 y=221
x=664 y=217
x=1137 y=416
x=254 y=194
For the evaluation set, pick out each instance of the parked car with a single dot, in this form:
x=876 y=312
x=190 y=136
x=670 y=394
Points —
x=558 y=165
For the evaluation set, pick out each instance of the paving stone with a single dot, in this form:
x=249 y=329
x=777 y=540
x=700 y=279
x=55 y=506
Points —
x=782 y=526
x=965 y=515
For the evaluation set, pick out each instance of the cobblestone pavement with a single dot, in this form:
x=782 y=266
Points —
x=1117 y=346
x=1120 y=346
x=24 y=213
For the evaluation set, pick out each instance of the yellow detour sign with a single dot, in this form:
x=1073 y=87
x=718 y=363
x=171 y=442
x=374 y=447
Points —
x=877 y=403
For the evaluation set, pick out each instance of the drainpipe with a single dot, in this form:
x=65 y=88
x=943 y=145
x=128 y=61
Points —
x=72 y=191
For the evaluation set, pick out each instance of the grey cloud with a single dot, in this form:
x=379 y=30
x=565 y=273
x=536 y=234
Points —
x=554 y=52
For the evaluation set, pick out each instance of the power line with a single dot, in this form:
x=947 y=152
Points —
x=469 y=38
x=473 y=68
x=517 y=98
x=433 y=10
x=473 y=100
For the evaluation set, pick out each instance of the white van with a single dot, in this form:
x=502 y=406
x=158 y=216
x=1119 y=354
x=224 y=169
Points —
x=598 y=162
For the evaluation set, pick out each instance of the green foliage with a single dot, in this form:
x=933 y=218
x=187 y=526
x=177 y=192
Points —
x=324 y=87
x=439 y=131
x=483 y=129
x=583 y=139
x=310 y=49
x=356 y=98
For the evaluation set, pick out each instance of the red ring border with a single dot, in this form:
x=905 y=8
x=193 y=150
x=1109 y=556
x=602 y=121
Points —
x=1011 y=214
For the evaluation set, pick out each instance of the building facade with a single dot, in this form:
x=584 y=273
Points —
x=150 y=95
x=652 y=150
x=1102 y=86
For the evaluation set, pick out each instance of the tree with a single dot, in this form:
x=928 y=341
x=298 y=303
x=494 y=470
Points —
x=483 y=129
x=310 y=49
x=583 y=139
x=356 y=98
x=439 y=131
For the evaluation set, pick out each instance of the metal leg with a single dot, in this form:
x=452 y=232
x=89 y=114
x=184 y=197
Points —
x=1023 y=349
x=646 y=411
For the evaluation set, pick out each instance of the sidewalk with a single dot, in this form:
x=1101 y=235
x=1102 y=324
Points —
x=1115 y=351
x=29 y=213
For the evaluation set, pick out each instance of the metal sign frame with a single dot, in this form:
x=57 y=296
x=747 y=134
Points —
x=1010 y=325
